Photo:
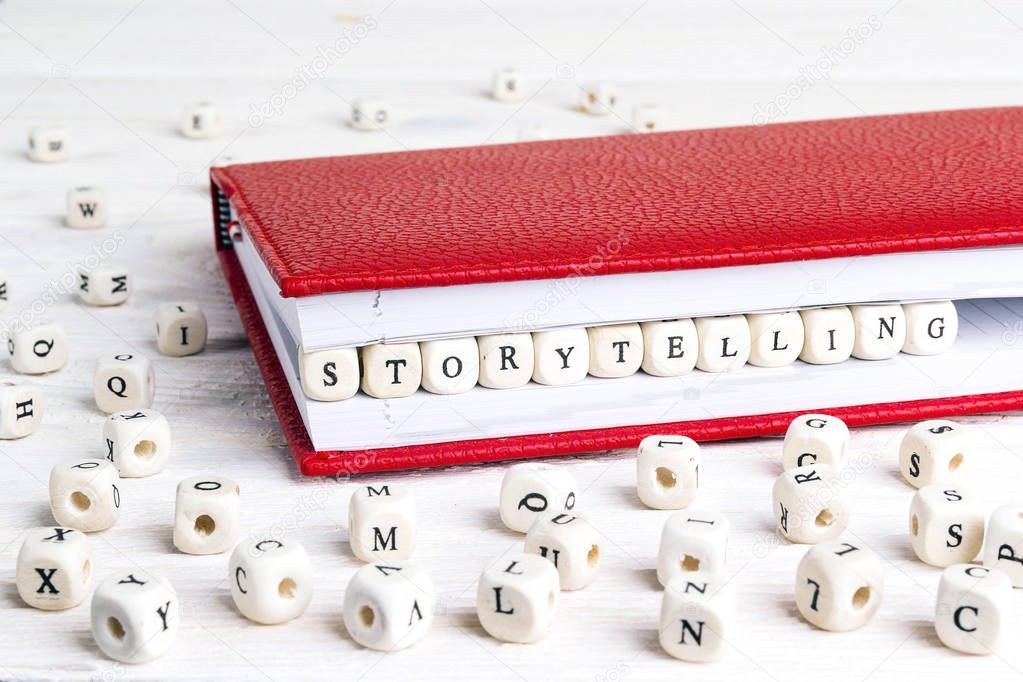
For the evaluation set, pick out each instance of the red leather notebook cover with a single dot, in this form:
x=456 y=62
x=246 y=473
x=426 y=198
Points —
x=709 y=198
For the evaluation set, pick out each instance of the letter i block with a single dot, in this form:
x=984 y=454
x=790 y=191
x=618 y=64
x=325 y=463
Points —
x=180 y=329
x=382 y=522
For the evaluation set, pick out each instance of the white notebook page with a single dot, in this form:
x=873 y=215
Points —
x=986 y=358
x=362 y=317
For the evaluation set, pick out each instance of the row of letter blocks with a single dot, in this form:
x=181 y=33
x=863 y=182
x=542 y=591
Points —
x=663 y=348
x=43 y=348
x=50 y=144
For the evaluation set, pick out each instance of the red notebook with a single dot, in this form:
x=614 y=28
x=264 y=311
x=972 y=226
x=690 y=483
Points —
x=480 y=224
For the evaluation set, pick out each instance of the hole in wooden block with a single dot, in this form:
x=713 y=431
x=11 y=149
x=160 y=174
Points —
x=690 y=563
x=955 y=462
x=145 y=448
x=115 y=628
x=205 y=525
x=593 y=556
x=666 y=478
x=649 y=125
x=367 y=616
x=286 y=588
x=861 y=597
x=825 y=518
x=916 y=525
x=80 y=501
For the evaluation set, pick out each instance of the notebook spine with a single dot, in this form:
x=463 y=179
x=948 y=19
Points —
x=221 y=217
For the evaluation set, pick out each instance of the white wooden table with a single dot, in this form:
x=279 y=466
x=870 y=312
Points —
x=118 y=73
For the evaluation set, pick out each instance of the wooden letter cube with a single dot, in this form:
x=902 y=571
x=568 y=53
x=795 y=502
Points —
x=669 y=347
x=389 y=605
x=828 y=335
x=724 y=343
x=598 y=100
x=329 y=375
x=946 y=525
x=616 y=350
x=450 y=365
x=54 y=568
x=206 y=518
x=667 y=471
x=561 y=356
x=200 y=120
x=124 y=382
x=839 y=586
x=776 y=338
x=391 y=370
x=104 y=285
x=271 y=580
x=48 y=145
x=38 y=349
x=21 y=410
x=530 y=491
x=517 y=597
x=648 y=118
x=931 y=327
x=811 y=504
x=84 y=494
x=571 y=544
x=935 y=451
x=506 y=360
x=86 y=208
x=697 y=616
x=382 y=522
x=973 y=610
x=138 y=442
x=370 y=115
x=507 y=86
x=692 y=541
x=880 y=330
x=135 y=616
x=1004 y=547
x=180 y=329
x=815 y=439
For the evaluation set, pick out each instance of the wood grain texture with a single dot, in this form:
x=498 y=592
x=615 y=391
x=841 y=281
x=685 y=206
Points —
x=118 y=73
